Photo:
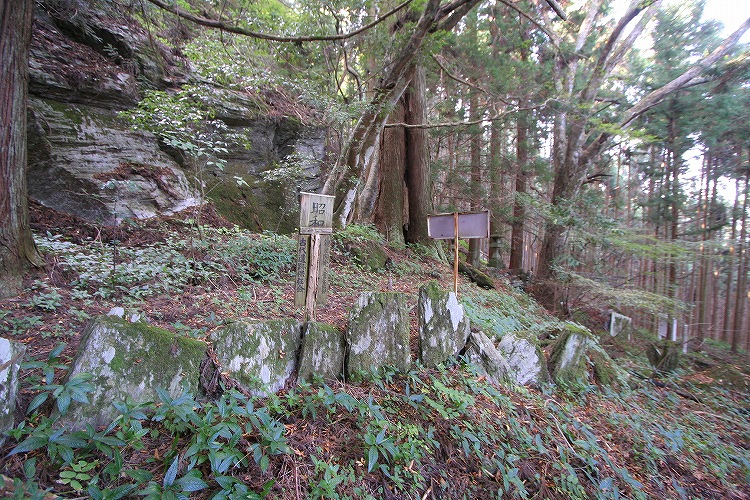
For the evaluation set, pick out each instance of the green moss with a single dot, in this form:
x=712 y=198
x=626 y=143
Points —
x=368 y=254
x=568 y=356
x=244 y=206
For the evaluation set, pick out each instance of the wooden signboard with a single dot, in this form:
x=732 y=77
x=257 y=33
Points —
x=458 y=225
x=313 y=251
x=470 y=225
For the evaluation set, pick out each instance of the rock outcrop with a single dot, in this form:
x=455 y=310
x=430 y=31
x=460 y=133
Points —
x=89 y=63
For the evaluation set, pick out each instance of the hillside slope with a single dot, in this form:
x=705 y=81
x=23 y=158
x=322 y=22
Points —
x=438 y=433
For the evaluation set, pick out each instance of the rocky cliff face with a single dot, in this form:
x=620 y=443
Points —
x=86 y=65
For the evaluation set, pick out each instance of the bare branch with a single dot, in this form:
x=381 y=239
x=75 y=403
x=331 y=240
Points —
x=457 y=78
x=238 y=30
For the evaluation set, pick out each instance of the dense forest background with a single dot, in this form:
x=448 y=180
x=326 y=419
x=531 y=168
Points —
x=607 y=141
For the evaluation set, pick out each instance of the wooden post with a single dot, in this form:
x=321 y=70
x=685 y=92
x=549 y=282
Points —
x=315 y=221
x=455 y=253
x=303 y=254
x=312 y=282
x=458 y=225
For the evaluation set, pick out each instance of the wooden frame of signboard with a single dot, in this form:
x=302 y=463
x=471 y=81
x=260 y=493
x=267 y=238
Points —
x=457 y=225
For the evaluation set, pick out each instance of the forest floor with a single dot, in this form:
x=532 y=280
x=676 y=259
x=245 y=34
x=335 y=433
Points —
x=683 y=435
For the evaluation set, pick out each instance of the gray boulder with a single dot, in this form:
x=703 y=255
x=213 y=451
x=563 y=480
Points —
x=260 y=355
x=577 y=358
x=321 y=353
x=129 y=361
x=11 y=355
x=525 y=358
x=378 y=333
x=443 y=326
x=482 y=352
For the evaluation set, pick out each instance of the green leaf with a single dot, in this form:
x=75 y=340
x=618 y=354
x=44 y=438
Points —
x=71 y=441
x=29 y=444
x=372 y=458
x=140 y=475
x=171 y=473
x=38 y=400
x=29 y=468
x=192 y=481
x=63 y=402
x=226 y=482
x=55 y=353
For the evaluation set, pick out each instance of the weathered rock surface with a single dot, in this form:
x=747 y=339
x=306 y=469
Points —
x=368 y=254
x=525 y=358
x=85 y=161
x=260 y=355
x=378 y=333
x=482 y=352
x=443 y=326
x=321 y=353
x=567 y=358
x=90 y=61
x=129 y=361
x=11 y=355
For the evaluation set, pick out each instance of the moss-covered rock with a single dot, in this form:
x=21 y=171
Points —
x=129 y=361
x=321 y=353
x=260 y=355
x=11 y=355
x=378 y=333
x=664 y=356
x=368 y=254
x=443 y=326
x=567 y=358
x=604 y=369
x=476 y=276
x=577 y=358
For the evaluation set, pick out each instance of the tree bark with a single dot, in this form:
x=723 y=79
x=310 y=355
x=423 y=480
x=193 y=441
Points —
x=356 y=200
x=17 y=248
x=389 y=213
x=417 y=160
x=741 y=291
x=519 y=211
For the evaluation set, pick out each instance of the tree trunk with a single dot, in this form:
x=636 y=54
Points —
x=390 y=208
x=355 y=180
x=17 y=248
x=417 y=160
x=519 y=211
x=475 y=147
x=741 y=292
x=726 y=331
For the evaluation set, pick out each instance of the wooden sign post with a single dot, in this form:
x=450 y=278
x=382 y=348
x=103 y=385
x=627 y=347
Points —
x=458 y=225
x=313 y=251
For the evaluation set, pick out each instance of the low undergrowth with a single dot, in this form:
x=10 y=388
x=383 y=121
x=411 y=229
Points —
x=392 y=435
x=429 y=433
